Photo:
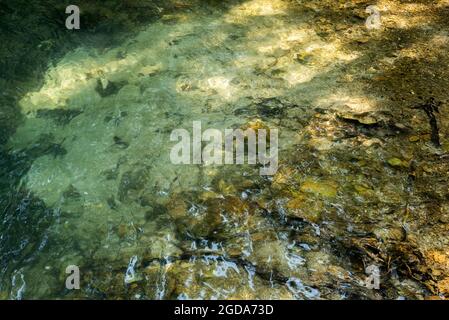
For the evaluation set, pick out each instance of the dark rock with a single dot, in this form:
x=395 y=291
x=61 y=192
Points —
x=60 y=116
x=131 y=183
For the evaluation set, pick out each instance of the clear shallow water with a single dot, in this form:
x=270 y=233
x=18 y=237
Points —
x=107 y=198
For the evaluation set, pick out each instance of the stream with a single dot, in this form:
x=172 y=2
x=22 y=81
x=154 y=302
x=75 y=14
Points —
x=360 y=185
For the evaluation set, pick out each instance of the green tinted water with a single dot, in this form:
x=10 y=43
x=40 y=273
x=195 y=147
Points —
x=106 y=197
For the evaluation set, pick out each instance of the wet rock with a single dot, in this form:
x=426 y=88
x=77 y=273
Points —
x=122 y=230
x=263 y=292
x=362 y=118
x=149 y=70
x=444 y=218
x=159 y=274
x=230 y=205
x=131 y=276
x=303 y=57
x=131 y=183
x=154 y=211
x=278 y=243
x=107 y=88
x=207 y=226
x=115 y=119
x=372 y=142
x=274 y=256
x=177 y=208
x=46 y=146
x=71 y=193
x=120 y=143
x=226 y=188
x=327 y=189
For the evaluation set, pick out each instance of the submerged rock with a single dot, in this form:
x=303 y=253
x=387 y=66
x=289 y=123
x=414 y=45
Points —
x=204 y=232
x=396 y=162
x=305 y=208
x=60 y=116
x=362 y=118
x=325 y=188
x=107 y=88
x=131 y=184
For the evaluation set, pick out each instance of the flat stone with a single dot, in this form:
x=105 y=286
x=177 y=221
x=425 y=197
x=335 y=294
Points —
x=326 y=189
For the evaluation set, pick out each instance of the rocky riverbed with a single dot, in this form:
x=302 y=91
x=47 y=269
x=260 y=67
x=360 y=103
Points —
x=363 y=158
